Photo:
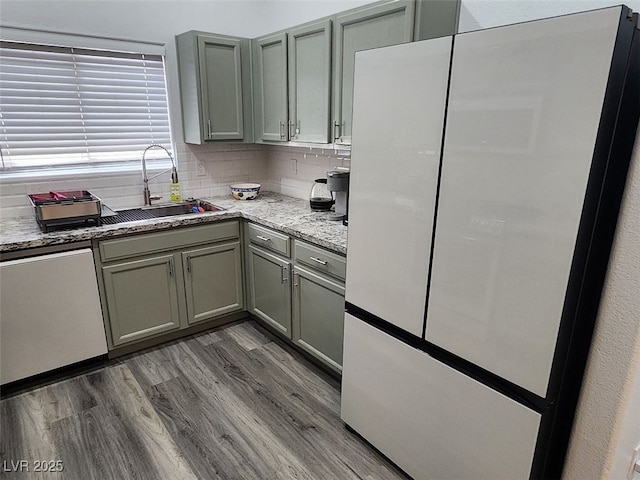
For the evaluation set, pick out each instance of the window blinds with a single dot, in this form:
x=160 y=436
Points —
x=63 y=106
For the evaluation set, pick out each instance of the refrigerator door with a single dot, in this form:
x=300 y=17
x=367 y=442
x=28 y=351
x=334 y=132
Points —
x=397 y=137
x=524 y=109
x=431 y=420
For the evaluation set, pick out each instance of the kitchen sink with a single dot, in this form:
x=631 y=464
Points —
x=159 y=211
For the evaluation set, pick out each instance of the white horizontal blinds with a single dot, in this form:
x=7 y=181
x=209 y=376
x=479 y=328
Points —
x=67 y=106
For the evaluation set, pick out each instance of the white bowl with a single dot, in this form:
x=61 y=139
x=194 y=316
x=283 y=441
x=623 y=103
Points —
x=245 y=191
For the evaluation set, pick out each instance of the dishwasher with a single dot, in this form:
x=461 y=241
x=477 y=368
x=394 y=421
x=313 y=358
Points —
x=50 y=314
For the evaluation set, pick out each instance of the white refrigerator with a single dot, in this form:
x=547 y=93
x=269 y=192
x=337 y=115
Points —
x=486 y=176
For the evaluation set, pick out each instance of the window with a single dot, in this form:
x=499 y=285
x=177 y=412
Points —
x=66 y=107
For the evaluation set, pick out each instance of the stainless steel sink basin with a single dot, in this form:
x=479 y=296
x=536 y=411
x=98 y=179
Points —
x=170 y=210
x=159 y=211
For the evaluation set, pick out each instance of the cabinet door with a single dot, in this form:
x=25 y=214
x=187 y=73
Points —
x=142 y=298
x=380 y=26
x=309 y=83
x=221 y=88
x=318 y=317
x=271 y=87
x=213 y=281
x=269 y=289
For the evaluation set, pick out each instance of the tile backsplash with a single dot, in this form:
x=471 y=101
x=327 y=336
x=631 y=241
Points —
x=291 y=170
x=204 y=171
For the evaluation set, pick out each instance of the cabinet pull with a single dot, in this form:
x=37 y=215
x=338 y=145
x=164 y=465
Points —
x=285 y=274
x=264 y=239
x=317 y=260
x=336 y=131
x=292 y=129
x=295 y=279
x=282 y=131
x=171 y=267
x=209 y=128
x=189 y=264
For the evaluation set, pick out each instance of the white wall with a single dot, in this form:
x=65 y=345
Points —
x=160 y=20
x=630 y=423
x=607 y=426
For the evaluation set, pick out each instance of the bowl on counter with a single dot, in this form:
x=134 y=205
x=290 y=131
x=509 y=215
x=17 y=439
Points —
x=245 y=191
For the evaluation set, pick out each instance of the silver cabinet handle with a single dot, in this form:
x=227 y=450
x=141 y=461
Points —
x=171 y=267
x=336 y=130
x=295 y=279
x=264 y=239
x=292 y=129
x=189 y=264
x=282 y=130
x=209 y=128
x=317 y=260
x=285 y=274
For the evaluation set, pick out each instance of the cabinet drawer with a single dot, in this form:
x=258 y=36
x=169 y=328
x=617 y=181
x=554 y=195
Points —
x=267 y=238
x=160 y=242
x=320 y=259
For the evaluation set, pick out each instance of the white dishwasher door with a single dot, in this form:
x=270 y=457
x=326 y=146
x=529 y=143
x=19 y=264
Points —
x=50 y=314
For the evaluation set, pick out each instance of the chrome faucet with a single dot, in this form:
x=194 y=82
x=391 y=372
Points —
x=145 y=179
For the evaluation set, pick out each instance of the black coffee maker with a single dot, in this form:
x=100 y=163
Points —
x=338 y=185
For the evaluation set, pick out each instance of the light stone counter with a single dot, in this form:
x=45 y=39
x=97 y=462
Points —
x=286 y=214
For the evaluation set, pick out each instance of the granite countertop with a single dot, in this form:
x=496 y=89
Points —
x=286 y=214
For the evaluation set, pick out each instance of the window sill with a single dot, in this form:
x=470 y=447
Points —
x=70 y=173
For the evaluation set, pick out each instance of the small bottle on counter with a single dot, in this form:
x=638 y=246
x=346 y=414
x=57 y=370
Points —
x=175 y=192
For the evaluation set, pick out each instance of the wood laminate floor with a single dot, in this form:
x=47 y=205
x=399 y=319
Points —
x=234 y=403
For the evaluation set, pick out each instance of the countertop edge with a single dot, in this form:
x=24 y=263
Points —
x=166 y=223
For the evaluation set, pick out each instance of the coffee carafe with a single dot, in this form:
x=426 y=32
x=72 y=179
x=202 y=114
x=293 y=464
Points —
x=320 y=197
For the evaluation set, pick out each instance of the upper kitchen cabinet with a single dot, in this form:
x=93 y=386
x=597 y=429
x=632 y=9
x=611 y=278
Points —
x=378 y=26
x=310 y=83
x=215 y=87
x=292 y=84
x=270 y=87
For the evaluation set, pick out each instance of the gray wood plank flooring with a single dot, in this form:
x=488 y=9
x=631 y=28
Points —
x=233 y=403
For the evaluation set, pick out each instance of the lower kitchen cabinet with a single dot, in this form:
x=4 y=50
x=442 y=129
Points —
x=157 y=283
x=318 y=316
x=301 y=298
x=269 y=290
x=213 y=281
x=142 y=298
